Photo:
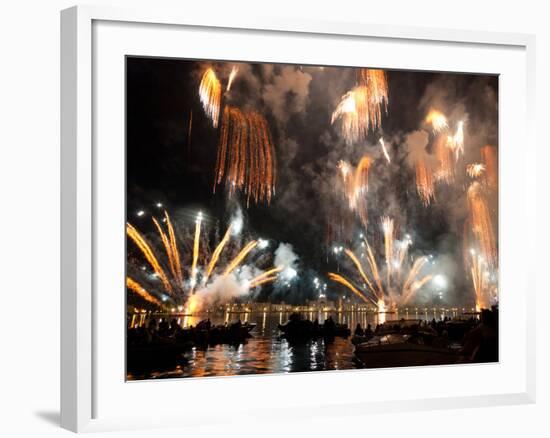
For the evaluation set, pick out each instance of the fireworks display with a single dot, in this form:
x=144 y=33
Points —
x=445 y=164
x=134 y=286
x=456 y=141
x=216 y=254
x=479 y=273
x=149 y=256
x=387 y=227
x=437 y=120
x=475 y=170
x=268 y=276
x=482 y=225
x=384 y=150
x=424 y=181
x=199 y=274
x=234 y=71
x=356 y=184
x=307 y=167
x=353 y=113
x=376 y=83
x=246 y=155
x=361 y=108
x=489 y=157
x=196 y=248
x=394 y=281
x=342 y=280
x=210 y=93
x=316 y=214
x=239 y=258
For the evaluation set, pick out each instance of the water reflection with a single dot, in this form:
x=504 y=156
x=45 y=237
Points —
x=266 y=351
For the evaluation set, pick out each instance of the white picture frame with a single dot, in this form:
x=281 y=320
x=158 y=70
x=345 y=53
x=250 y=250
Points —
x=81 y=366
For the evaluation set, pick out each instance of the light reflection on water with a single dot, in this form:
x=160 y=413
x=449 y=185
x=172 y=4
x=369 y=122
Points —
x=266 y=352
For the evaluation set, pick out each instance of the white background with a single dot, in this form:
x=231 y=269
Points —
x=29 y=187
x=114 y=398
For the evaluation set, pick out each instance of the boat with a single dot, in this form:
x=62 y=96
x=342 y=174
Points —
x=298 y=328
x=361 y=339
x=220 y=334
x=398 y=349
x=153 y=355
x=457 y=328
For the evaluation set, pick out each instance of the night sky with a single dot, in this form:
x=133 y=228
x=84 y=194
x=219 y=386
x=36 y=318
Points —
x=307 y=210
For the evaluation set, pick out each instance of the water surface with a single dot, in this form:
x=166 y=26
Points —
x=266 y=351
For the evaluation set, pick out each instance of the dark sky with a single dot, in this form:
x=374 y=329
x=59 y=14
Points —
x=162 y=165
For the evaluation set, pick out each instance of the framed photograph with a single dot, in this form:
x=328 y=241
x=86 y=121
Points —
x=276 y=211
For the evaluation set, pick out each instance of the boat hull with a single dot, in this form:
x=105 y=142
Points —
x=402 y=355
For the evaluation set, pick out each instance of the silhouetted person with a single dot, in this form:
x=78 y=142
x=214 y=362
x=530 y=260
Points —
x=368 y=330
x=316 y=325
x=329 y=324
x=151 y=333
x=174 y=326
x=481 y=343
x=152 y=326
x=359 y=330
x=164 y=328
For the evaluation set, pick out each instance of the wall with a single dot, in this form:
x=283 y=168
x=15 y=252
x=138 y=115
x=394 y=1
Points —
x=29 y=182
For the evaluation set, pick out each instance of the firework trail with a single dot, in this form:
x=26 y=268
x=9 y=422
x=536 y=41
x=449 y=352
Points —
x=342 y=280
x=437 y=120
x=234 y=71
x=265 y=277
x=412 y=282
x=210 y=95
x=445 y=171
x=240 y=257
x=174 y=249
x=384 y=150
x=352 y=110
x=361 y=182
x=489 y=157
x=482 y=226
x=189 y=130
x=475 y=170
x=479 y=273
x=361 y=271
x=373 y=265
x=466 y=241
x=387 y=227
x=217 y=252
x=345 y=168
x=263 y=281
x=456 y=142
x=360 y=109
x=356 y=185
x=424 y=181
x=171 y=251
x=376 y=82
x=196 y=250
x=394 y=289
x=138 y=239
x=402 y=251
x=134 y=286
x=246 y=155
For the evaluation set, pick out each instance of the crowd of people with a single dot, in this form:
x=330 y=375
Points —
x=164 y=332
